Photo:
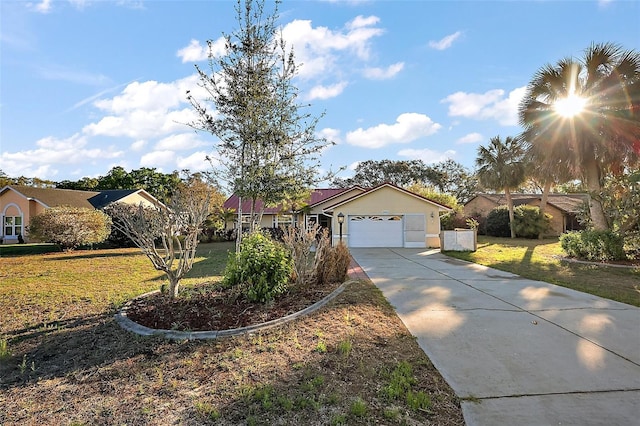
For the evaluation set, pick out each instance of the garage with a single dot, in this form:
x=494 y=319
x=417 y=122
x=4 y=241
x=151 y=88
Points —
x=386 y=216
x=375 y=231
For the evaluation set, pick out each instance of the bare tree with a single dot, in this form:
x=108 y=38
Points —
x=167 y=234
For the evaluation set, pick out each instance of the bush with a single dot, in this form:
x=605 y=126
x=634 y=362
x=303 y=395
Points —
x=593 y=245
x=332 y=262
x=632 y=245
x=263 y=268
x=498 y=222
x=70 y=227
x=300 y=243
x=529 y=223
x=117 y=239
x=452 y=220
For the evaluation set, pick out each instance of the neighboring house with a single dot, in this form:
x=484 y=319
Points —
x=18 y=204
x=383 y=216
x=563 y=208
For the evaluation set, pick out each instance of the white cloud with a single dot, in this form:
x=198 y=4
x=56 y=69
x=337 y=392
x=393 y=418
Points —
x=488 y=105
x=407 y=128
x=354 y=165
x=196 y=52
x=180 y=142
x=326 y=92
x=43 y=7
x=471 y=138
x=149 y=96
x=138 y=145
x=317 y=48
x=50 y=153
x=331 y=135
x=427 y=155
x=147 y=110
x=446 y=42
x=383 y=73
x=157 y=158
x=196 y=162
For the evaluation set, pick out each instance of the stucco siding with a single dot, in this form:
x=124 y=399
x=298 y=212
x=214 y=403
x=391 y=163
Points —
x=13 y=204
x=389 y=201
x=137 y=198
x=478 y=205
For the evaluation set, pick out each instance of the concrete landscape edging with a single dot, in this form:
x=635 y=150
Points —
x=604 y=264
x=126 y=323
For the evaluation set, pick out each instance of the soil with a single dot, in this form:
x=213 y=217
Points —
x=86 y=370
x=209 y=307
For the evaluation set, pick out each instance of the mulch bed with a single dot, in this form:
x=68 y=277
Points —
x=209 y=307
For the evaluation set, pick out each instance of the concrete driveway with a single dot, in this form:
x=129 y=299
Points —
x=516 y=351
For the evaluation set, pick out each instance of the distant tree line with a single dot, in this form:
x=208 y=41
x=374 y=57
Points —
x=160 y=185
x=446 y=177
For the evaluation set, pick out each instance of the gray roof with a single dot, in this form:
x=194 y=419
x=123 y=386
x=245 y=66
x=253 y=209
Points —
x=104 y=198
x=54 y=197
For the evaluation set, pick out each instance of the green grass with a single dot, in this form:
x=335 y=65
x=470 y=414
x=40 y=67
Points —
x=540 y=260
x=59 y=341
x=57 y=286
x=27 y=249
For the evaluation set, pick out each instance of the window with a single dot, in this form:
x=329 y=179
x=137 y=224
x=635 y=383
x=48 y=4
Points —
x=12 y=225
x=282 y=220
x=312 y=220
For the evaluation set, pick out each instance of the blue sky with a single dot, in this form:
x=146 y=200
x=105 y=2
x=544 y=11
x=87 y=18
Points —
x=89 y=85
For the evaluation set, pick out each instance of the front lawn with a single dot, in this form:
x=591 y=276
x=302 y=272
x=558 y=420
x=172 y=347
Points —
x=540 y=260
x=64 y=360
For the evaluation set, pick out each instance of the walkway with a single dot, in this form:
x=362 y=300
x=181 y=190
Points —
x=516 y=351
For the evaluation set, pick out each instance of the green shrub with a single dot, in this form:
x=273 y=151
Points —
x=263 y=268
x=70 y=227
x=498 y=222
x=632 y=245
x=593 y=245
x=528 y=221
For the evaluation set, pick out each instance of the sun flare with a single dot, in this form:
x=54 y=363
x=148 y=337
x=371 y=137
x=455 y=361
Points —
x=570 y=106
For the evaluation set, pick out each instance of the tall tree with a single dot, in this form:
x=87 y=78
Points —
x=398 y=172
x=501 y=167
x=454 y=179
x=583 y=116
x=268 y=148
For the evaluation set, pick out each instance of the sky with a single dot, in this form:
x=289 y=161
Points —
x=89 y=85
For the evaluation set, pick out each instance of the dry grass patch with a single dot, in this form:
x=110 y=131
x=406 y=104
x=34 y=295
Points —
x=83 y=369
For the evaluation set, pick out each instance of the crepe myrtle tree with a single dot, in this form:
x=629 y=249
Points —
x=167 y=234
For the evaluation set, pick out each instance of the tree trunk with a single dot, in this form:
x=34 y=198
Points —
x=592 y=176
x=543 y=202
x=511 y=215
x=239 y=227
x=174 y=282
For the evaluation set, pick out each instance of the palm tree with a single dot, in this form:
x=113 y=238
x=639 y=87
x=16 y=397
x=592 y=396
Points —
x=226 y=216
x=501 y=167
x=583 y=118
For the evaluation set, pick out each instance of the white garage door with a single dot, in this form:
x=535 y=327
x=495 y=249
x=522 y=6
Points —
x=375 y=231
